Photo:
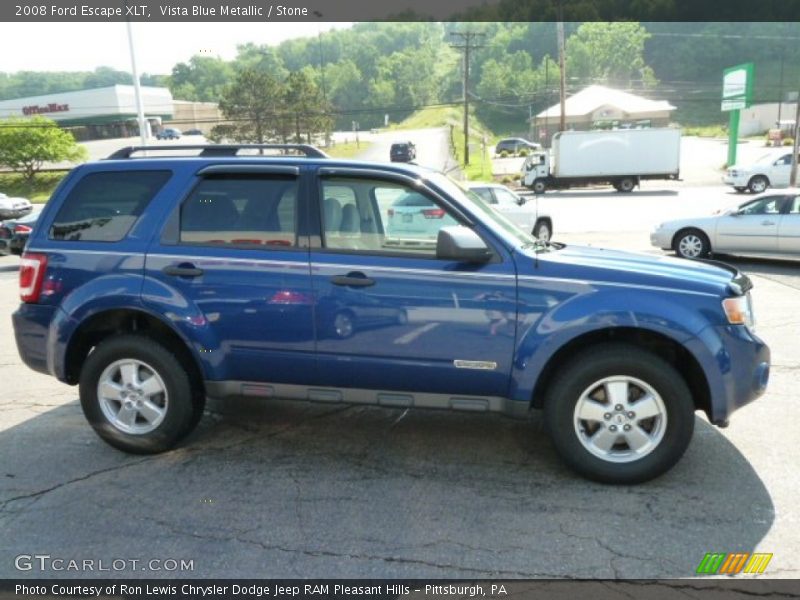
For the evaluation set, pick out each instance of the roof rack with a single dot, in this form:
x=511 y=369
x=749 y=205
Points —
x=217 y=150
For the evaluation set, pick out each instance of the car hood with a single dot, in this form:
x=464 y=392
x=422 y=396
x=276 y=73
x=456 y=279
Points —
x=638 y=269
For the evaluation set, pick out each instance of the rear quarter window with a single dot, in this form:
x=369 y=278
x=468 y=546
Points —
x=102 y=207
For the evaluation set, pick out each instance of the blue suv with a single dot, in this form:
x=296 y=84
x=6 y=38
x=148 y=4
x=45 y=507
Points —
x=156 y=282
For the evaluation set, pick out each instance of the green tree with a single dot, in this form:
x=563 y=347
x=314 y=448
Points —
x=609 y=53
x=27 y=143
x=202 y=79
x=249 y=103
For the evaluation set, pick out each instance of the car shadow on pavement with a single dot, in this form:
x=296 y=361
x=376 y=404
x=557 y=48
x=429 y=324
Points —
x=284 y=489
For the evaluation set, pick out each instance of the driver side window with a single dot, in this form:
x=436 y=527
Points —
x=374 y=216
x=770 y=205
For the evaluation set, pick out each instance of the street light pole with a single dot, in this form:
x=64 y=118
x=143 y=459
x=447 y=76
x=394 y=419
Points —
x=137 y=87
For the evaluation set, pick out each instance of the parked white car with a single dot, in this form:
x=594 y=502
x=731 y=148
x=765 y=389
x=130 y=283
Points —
x=765 y=226
x=525 y=215
x=14 y=208
x=771 y=170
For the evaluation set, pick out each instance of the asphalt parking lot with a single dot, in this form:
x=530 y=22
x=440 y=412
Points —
x=298 y=490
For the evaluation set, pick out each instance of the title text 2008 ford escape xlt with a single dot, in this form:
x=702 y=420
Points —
x=155 y=282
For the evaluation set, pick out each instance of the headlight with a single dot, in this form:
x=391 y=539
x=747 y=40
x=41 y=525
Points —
x=739 y=310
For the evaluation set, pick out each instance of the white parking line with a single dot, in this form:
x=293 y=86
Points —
x=412 y=335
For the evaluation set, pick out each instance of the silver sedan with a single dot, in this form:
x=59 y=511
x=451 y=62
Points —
x=765 y=226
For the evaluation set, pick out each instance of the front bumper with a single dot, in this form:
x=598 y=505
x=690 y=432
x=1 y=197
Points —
x=740 y=180
x=662 y=238
x=15 y=213
x=741 y=367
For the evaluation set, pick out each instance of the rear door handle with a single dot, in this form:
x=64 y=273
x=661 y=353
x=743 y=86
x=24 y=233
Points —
x=768 y=222
x=186 y=270
x=355 y=279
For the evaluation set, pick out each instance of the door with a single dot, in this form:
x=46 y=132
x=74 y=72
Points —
x=753 y=228
x=780 y=171
x=232 y=271
x=508 y=204
x=389 y=314
x=789 y=229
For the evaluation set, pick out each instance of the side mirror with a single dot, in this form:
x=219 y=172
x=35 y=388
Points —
x=461 y=244
x=522 y=200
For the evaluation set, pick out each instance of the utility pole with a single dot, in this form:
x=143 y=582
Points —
x=468 y=44
x=137 y=88
x=793 y=176
x=561 y=61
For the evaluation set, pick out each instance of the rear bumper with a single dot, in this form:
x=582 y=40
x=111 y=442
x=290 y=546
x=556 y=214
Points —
x=32 y=331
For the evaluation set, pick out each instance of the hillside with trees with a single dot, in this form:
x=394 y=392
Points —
x=371 y=70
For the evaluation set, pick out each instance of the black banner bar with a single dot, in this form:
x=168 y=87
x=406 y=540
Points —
x=397 y=10
x=412 y=589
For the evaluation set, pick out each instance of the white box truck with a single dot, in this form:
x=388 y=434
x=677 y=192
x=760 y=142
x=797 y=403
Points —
x=619 y=157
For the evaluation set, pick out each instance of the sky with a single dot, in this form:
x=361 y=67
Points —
x=159 y=46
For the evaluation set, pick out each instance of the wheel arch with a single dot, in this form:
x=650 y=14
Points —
x=686 y=228
x=103 y=324
x=665 y=347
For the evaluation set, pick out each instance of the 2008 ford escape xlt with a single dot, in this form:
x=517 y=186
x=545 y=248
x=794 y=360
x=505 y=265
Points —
x=155 y=282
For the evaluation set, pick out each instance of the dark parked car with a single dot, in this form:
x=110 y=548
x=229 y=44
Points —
x=514 y=145
x=155 y=282
x=14 y=233
x=168 y=133
x=403 y=152
x=192 y=132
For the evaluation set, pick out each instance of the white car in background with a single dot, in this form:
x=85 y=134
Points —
x=14 y=208
x=765 y=226
x=771 y=170
x=525 y=215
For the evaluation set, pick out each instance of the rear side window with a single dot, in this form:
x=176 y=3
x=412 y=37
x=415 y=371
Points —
x=103 y=207
x=248 y=211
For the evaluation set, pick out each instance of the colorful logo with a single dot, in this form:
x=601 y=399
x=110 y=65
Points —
x=716 y=563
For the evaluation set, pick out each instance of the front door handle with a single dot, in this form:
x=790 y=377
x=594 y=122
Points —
x=355 y=279
x=184 y=270
x=768 y=222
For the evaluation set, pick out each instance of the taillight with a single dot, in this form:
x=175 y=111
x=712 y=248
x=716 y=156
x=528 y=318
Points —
x=31 y=273
x=22 y=229
x=433 y=213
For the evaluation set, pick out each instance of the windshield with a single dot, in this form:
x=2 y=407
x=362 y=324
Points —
x=474 y=202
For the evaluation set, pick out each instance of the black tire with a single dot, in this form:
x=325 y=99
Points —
x=542 y=230
x=687 y=239
x=184 y=405
x=758 y=184
x=625 y=185
x=539 y=186
x=610 y=360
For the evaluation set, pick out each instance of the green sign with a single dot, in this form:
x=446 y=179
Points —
x=737 y=87
x=737 y=93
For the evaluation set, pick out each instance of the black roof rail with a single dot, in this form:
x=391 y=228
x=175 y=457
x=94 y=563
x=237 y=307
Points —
x=221 y=149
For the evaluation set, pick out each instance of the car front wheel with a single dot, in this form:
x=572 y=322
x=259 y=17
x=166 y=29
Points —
x=137 y=395
x=691 y=244
x=758 y=184
x=618 y=414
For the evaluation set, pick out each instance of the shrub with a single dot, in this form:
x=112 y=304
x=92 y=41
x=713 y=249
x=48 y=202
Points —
x=523 y=152
x=788 y=142
x=507 y=179
x=504 y=154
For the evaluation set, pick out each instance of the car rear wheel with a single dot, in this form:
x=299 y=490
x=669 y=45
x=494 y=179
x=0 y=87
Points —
x=539 y=186
x=137 y=395
x=758 y=184
x=618 y=414
x=541 y=231
x=691 y=243
x=625 y=185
